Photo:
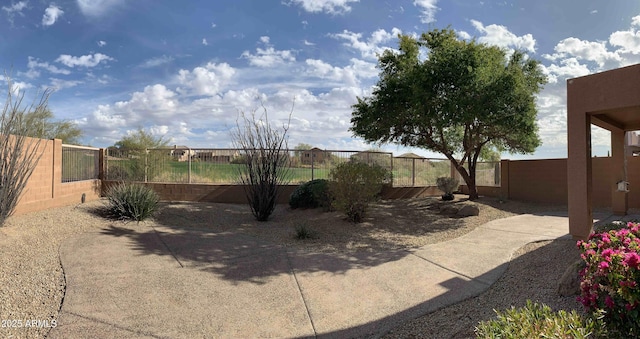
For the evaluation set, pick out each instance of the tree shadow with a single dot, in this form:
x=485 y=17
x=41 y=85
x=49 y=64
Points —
x=225 y=239
x=525 y=277
x=239 y=257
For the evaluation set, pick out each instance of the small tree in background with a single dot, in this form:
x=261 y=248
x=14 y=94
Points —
x=140 y=164
x=19 y=154
x=265 y=169
x=41 y=125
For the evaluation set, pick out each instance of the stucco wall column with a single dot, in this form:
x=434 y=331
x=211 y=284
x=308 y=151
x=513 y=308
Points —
x=619 y=200
x=579 y=169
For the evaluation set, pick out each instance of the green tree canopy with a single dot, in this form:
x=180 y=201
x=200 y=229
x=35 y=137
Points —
x=42 y=125
x=139 y=140
x=461 y=97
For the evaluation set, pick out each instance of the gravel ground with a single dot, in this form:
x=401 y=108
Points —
x=33 y=282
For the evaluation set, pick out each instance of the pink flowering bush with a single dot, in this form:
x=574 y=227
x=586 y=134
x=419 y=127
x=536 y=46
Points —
x=609 y=284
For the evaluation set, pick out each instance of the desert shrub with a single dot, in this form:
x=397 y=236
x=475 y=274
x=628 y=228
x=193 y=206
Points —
x=131 y=201
x=304 y=232
x=265 y=169
x=311 y=194
x=19 y=155
x=539 y=321
x=354 y=185
x=609 y=282
x=447 y=185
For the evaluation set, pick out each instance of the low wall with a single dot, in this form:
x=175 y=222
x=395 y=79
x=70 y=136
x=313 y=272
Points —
x=545 y=181
x=45 y=188
x=234 y=194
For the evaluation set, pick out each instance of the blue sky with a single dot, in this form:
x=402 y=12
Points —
x=184 y=69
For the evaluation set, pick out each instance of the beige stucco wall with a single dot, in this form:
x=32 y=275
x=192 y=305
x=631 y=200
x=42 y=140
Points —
x=45 y=188
x=544 y=181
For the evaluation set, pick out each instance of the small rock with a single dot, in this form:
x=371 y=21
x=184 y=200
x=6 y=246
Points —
x=569 y=283
x=449 y=209
x=468 y=210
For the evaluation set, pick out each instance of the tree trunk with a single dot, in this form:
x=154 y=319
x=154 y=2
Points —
x=469 y=180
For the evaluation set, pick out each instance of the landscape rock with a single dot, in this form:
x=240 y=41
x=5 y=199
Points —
x=569 y=283
x=468 y=210
x=449 y=209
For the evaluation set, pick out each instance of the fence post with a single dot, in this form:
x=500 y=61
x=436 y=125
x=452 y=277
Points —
x=413 y=172
x=391 y=155
x=146 y=165
x=312 y=163
x=102 y=164
x=189 y=171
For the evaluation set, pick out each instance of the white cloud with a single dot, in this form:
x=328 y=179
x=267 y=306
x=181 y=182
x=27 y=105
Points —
x=307 y=43
x=584 y=50
x=349 y=75
x=34 y=64
x=58 y=84
x=156 y=103
x=51 y=15
x=206 y=80
x=464 y=35
x=90 y=60
x=373 y=45
x=157 y=61
x=15 y=8
x=101 y=43
x=204 y=42
x=326 y=6
x=628 y=41
x=499 y=35
x=268 y=57
x=428 y=9
x=565 y=69
x=213 y=25
x=97 y=7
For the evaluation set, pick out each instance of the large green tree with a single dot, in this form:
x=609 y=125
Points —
x=454 y=97
x=42 y=125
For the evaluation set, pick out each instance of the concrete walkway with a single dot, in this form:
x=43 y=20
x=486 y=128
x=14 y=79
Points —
x=135 y=282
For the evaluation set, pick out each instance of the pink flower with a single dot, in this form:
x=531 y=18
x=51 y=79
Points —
x=628 y=283
x=607 y=253
x=629 y=307
x=609 y=302
x=632 y=259
x=603 y=265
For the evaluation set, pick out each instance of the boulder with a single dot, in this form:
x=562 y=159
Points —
x=468 y=210
x=449 y=209
x=569 y=283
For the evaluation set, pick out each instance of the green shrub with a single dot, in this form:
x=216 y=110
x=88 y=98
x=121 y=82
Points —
x=131 y=201
x=354 y=185
x=539 y=321
x=304 y=232
x=312 y=194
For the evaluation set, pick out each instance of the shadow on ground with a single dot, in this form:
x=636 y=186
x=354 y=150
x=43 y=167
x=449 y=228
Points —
x=531 y=276
x=225 y=239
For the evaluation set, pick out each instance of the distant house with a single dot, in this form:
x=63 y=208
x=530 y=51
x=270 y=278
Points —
x=410 y=155
x=314 y=155
x=217 y=155
x=181 y=153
